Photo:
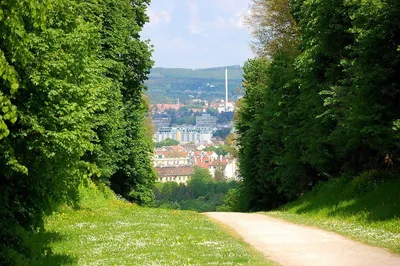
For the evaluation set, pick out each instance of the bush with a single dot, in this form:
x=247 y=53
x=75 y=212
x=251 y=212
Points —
x=364 y=183
x=231 y=201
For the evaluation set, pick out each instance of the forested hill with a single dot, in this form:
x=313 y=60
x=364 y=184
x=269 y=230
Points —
x=165 y=85
x=218 y=73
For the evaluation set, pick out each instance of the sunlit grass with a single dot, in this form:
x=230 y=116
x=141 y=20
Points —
x=120 y=233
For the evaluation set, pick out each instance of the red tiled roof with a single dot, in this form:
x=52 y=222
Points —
x=219 y=163
x=203 y=165
x=165 y=106
x=174 y=171
x=203 y=162
x=173 y=154
x=178 y=148
x=161 y=153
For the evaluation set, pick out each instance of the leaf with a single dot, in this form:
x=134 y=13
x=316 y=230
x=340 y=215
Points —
x=14 y=87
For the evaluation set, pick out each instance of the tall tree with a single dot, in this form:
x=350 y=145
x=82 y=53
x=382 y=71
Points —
x=128 y=62
x=268 y=167
x=40 y=160
x=73 y=73
x=371 y=95
x=272 y=25
x=249 y=129
x=324 y=37
x=327 y=102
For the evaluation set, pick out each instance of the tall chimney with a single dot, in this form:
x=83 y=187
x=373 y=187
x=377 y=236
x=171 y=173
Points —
x=226 y=90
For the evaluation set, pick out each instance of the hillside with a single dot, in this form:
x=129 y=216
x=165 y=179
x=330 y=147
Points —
x=235 y=72
x=165 y=85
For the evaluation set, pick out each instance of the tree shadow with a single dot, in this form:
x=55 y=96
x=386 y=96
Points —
x=43 y=254
x=379 y=204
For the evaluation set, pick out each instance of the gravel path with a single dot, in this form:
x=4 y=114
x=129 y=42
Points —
x=290 y=244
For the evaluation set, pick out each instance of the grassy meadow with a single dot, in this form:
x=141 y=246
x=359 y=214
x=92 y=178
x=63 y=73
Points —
x=365 y=208
x=108 y=231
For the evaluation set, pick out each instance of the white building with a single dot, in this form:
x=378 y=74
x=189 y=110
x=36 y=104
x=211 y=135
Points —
x=230 y=107
x=179 y=174
x=206 y=120
x=161 y=158
x=164 y=133
x=185 y=134
x=231 y=170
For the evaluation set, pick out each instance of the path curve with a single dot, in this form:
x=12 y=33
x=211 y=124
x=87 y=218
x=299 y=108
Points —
x=291 y=244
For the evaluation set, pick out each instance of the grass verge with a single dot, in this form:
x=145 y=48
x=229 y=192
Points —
x=365 y=208
x=107 y=231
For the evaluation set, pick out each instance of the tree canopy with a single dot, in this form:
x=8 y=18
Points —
x=321 y=98
x=202 y=193
x=167 y=142
x=72 y=107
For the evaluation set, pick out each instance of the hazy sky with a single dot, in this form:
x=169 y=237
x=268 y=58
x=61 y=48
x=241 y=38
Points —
x=198 y=33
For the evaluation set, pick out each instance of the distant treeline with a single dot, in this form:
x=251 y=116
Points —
x=322 y=98
x=218 y=73
x=168 y=84
x=202 y=193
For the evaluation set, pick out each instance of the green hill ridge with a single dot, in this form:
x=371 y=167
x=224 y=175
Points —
x=166 y=85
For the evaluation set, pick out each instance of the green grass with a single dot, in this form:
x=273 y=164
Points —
x=107 y=231
x=365 y=208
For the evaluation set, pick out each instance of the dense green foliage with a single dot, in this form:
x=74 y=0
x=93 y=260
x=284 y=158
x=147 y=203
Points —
x=222 y=133
x=186 y=116
x=322 y=105
x=186 y=120
x=365 y=208
x=167 y=142
x=202 y=193
x=168 y=84
x=219 y=150
x=72 y=107
x=231 y=201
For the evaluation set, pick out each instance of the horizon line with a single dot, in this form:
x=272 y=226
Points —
x=237 y=65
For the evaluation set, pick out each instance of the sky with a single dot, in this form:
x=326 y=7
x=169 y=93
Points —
x=198 y=33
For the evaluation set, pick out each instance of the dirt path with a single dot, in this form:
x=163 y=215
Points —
x=290 y=244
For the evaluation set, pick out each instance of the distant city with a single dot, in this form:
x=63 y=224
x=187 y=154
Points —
x=192 y=133
x=201 y=123
x=192 y=117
